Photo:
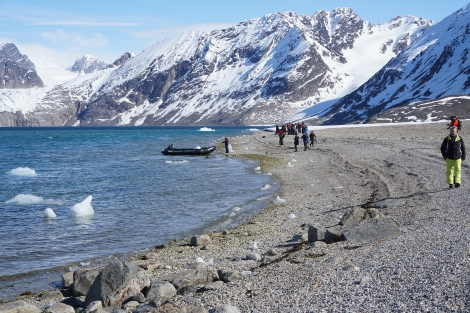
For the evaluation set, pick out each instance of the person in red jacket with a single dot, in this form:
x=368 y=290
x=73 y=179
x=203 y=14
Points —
x=454 y=121
x=453 y=151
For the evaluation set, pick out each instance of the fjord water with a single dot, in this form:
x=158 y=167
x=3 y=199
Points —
x=141 y=198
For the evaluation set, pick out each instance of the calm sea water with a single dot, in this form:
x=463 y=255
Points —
x=140 y=197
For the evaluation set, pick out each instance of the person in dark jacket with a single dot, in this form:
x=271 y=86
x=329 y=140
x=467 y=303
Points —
x=453 y=151
x=296 y=141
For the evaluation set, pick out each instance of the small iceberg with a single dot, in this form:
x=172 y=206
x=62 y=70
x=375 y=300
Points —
x=206 y=129
x=83 y=208
x=266 y=187
x=25 y=199
x=23 y=171
x=258 y=168
x=278 y=200
x=49 y=214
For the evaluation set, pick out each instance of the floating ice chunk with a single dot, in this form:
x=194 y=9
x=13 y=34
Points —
x=177 y=162
x=289 y=165
x=85 y=263
x=83 y=208
x=23 y=171
x=258 y=168
x=236 y=208
x=278 y=200
x=269 y=174
x=206 y=129
x=25 y=199
x=266 y=187
x=49 y=213
x=291 y=216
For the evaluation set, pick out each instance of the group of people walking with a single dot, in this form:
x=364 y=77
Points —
x=295 y=129
x=453 y=152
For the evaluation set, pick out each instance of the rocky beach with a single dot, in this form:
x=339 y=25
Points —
x=363 y=222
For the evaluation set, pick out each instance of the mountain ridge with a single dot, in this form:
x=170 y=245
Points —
x=261 y=71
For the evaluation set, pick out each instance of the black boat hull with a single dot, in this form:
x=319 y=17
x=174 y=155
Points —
x=189 y=151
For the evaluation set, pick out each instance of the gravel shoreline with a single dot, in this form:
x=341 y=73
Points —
x=399 y=170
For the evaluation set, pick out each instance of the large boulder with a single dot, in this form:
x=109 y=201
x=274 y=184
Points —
x=372 y=229
x=160 y=291
x=357 y=226
x=82 y=280
x=195 y=274
x=116 y=283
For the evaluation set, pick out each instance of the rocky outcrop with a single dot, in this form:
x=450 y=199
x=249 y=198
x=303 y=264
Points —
x=357 y=226
x=16 y=70
x=116 y=283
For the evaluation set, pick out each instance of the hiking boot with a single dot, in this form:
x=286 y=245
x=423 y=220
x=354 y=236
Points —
x=451 y=186
x=457 y=185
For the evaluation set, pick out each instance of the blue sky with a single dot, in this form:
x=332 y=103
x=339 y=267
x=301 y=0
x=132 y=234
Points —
x=64 y=30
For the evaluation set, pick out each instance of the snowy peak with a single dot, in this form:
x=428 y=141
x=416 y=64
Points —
x=261 y=71
x=17 y=71
x=88 y=64
x=435 y=65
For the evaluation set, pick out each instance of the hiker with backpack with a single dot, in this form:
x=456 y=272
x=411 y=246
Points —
x=454 y=121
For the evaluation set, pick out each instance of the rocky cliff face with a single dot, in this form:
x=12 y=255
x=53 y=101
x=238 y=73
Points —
x=16 y=70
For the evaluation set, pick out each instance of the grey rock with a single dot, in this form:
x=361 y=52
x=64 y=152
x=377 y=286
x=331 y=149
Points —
x=19 y=306
x=67 y=280
x=60 y=308
x=93 y=306
x=160 y=291
x=371 y=229
x=333 y=234
x=200 y=240
x=229 y=276
x=224 y=308
x=117 y=282
x=196 y=274
x=273 y=252
x=82 y=280
x=316 y=233
x=253 y=256
x=130 y=305
x=187 y=290
x=216 y=285
x=353 y=216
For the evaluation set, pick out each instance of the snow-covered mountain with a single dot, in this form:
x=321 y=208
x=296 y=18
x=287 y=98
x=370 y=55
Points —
x=429 y=80
x=257 y=72
x=88 y=64
x=17 y=71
